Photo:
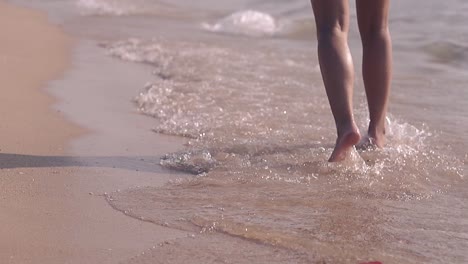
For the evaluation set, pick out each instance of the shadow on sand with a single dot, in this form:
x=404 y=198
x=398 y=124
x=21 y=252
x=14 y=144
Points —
x=135 y=163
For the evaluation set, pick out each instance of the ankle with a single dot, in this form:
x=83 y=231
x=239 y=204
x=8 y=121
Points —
x=347 y=128
x=377 y=134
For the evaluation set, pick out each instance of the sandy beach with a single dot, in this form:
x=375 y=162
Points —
x=54 y=173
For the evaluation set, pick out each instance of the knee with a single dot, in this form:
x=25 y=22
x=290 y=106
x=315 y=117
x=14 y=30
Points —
x=375 y=33
x=328 y=33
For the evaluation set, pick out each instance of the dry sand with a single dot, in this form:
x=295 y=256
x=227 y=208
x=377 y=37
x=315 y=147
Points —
x=53 y=172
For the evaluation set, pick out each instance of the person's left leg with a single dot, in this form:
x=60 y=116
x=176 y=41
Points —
x=336 y=65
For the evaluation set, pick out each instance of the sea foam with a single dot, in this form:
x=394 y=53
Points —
x=104 y=7
x=247 y=22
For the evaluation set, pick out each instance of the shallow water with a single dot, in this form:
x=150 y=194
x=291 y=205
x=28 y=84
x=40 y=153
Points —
x=259 y=151
x=240 y=80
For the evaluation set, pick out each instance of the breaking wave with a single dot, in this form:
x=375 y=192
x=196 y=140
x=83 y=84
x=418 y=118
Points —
x=248 y=22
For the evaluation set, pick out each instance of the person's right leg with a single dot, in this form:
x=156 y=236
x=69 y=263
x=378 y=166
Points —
x=336 y=65
x=376 y=65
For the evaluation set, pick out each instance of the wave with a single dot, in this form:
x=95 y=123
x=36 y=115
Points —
x=247 y=22
x=127 y=8
x=105 y=7
x=445 y=52
x=200 y=87
x=259 y=137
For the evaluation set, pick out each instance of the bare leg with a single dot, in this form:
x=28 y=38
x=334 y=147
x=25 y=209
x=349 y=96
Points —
x=336 y=65
x=376 y=65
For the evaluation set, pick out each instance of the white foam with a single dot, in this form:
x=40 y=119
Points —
x=104 y=7
x=248 y=22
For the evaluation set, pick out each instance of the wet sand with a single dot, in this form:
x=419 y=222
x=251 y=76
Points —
x=54 y=173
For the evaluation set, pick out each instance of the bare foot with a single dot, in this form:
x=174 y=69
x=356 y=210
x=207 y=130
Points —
x=344 y=144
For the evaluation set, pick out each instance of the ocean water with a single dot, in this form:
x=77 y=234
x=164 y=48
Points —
x=240 y=81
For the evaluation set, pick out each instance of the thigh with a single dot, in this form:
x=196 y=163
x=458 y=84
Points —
x=372 y=15
x=331 y=15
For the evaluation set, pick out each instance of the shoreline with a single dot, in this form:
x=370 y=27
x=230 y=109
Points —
x=59 y=153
